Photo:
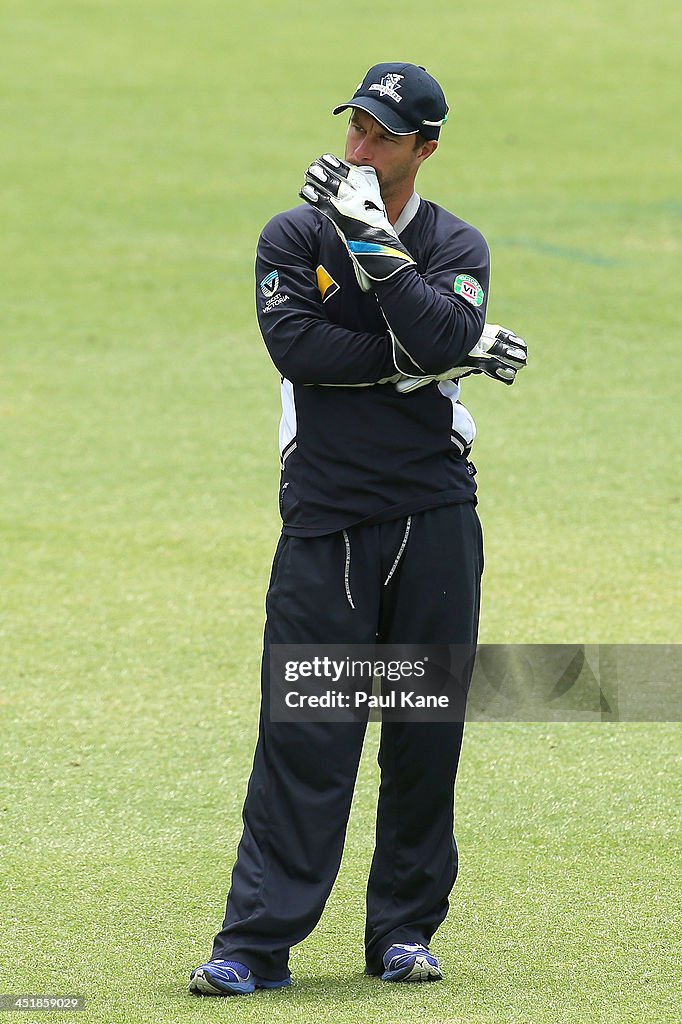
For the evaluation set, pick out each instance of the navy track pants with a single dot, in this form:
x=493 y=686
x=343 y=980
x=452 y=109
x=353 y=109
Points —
x=351 y=587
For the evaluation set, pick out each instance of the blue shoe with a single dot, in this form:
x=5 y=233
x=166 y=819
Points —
x=410 y=962
x=228 y=978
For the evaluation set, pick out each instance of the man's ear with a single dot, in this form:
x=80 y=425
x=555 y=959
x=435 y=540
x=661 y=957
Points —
x=430 y=146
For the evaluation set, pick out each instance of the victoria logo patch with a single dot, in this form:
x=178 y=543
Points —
x=388 y=86
x=469 y=288
x=270 y=284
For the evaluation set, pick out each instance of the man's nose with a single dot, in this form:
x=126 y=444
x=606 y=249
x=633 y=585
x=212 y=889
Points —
x=362 y=153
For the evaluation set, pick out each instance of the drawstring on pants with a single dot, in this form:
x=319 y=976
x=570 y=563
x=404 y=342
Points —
x=346 y=572
x=400 y=552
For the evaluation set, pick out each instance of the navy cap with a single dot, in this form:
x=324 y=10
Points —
x=404 y=98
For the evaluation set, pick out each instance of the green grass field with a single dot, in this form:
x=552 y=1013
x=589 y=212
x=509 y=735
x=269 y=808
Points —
x=144 y=146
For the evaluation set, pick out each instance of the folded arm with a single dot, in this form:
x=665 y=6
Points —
x=303 y=344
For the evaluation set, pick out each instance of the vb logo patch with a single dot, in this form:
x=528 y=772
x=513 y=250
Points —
x=270 y=284
x=326 y=283
x=469 y=288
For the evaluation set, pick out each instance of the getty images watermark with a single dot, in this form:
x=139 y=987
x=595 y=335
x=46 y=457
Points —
x=47 y=1003
x=362 y=673
x=491 y=682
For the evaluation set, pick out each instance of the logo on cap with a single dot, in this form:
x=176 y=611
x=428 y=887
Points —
x=388 y=86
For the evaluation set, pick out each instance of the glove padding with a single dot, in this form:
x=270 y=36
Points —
x=499 y=353
x=463 y=429
x=351 y=199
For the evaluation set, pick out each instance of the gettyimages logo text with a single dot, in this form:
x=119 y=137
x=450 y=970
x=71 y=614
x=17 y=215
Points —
x=347 y=668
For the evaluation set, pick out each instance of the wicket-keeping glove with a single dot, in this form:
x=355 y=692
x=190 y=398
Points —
x=463 y=429
x=499 y=353
x=351 y=199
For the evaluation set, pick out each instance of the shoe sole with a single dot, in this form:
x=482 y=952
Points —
x=204 y=984
x=420 y=970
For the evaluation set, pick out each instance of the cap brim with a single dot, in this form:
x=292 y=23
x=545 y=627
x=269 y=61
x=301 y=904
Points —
x=380 y=112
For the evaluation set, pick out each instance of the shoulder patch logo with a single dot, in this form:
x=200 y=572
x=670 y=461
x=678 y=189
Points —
x=270 y=284
x=469 y=288
x=326 y=283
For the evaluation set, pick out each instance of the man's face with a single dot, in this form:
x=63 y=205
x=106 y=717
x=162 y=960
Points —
x=395 y=158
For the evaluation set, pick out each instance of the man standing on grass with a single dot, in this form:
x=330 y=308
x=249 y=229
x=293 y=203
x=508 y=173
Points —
x=371 y=301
